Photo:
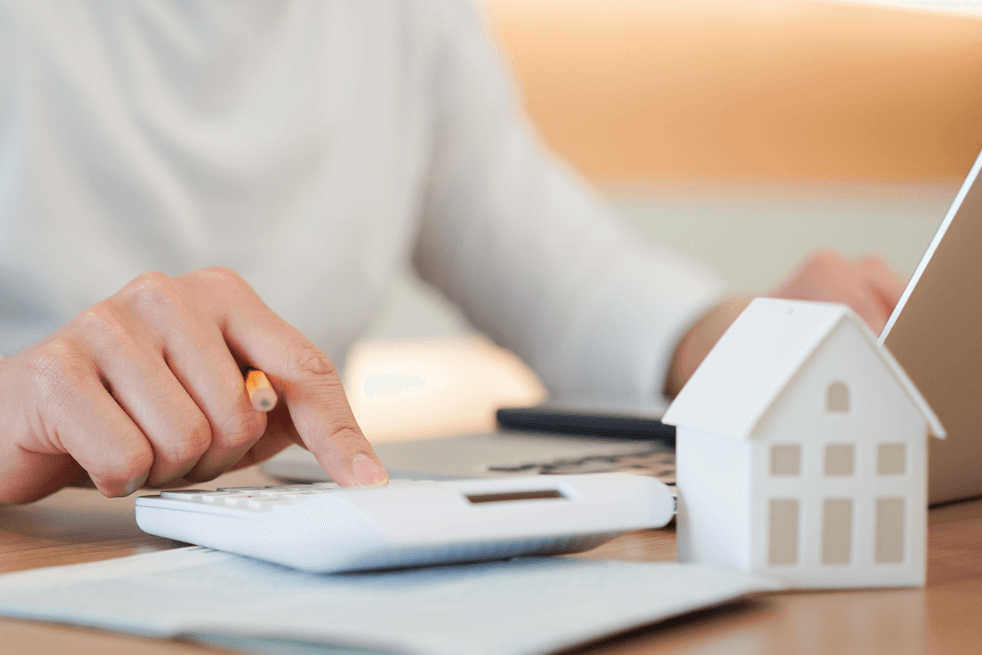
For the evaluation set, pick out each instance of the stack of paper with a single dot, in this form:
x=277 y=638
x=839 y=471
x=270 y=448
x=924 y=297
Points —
x=521 y=606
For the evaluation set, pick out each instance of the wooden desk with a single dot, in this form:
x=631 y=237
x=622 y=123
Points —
x=80 y=526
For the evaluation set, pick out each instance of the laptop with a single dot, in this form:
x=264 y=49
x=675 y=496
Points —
x=934 y=332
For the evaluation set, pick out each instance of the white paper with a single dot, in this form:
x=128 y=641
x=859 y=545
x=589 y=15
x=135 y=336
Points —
x=522 y=606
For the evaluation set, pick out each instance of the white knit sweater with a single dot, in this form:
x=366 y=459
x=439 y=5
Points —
x=315 y=147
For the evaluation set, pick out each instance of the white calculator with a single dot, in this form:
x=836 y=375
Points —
x=320 y=527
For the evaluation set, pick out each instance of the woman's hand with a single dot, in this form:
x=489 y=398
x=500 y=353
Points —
x=145 y=388
x=867 y=285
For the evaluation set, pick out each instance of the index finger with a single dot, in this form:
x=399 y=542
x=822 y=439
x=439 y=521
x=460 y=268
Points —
x=302 y=374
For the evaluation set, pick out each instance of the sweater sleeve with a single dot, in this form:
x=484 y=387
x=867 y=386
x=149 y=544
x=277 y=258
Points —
x=530 y=253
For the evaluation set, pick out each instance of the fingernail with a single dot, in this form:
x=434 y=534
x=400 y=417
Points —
x=367 y=472
x=136 y=484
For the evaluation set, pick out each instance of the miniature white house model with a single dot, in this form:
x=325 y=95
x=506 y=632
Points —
x=801 y=452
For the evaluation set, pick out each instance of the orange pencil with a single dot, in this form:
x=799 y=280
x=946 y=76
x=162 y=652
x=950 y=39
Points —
x=261 y=393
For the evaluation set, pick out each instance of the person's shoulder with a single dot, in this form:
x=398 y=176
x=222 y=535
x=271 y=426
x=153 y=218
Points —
x=452 y=17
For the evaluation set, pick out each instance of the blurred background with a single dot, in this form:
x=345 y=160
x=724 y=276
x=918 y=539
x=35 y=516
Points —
x=743 y=133
x=747 y=133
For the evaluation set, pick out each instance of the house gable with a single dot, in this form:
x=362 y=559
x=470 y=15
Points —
x=755 y=360
x=867 y=400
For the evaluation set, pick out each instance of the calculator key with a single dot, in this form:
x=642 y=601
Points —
x=236 y=500
x=264 y=503
x=214 y=497
x=185 y=494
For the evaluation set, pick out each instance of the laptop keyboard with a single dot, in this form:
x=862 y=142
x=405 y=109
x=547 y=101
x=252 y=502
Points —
x=659 y=462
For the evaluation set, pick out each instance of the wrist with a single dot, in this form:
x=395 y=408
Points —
x=696 y=343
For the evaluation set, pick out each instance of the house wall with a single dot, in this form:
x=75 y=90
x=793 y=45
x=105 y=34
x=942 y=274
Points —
x=714 y=504
x=880 y=412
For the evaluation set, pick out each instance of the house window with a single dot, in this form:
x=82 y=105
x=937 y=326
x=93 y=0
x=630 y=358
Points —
x=837 y=531
x=837 y=397
x=840 y=459
x=891 y=459
x=786 y=459
x=889 y=530
x=783 y=538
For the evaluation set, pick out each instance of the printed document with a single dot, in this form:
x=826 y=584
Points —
x=523 y=606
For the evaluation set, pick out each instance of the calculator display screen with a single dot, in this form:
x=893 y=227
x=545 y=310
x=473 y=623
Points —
x=539 y=494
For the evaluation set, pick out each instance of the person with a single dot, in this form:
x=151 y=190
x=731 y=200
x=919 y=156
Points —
x=168 y=168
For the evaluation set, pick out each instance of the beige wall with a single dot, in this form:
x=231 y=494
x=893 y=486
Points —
x=660 y=90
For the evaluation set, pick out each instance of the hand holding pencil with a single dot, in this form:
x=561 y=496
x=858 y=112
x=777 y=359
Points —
x=145 y=388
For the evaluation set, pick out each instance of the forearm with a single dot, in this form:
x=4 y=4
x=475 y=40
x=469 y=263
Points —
x=699 y=340
x=535 y=258
x=868 y=285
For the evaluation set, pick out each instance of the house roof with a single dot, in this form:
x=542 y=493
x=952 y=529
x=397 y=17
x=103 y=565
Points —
x=756 y=358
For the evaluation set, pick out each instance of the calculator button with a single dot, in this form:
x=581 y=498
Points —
x=185 y=494
x=236 y=500
x=240 y=489
x=214 y=497
x=263 y=503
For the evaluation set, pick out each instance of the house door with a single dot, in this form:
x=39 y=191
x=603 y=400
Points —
x=837 y=531
x=783 y=526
